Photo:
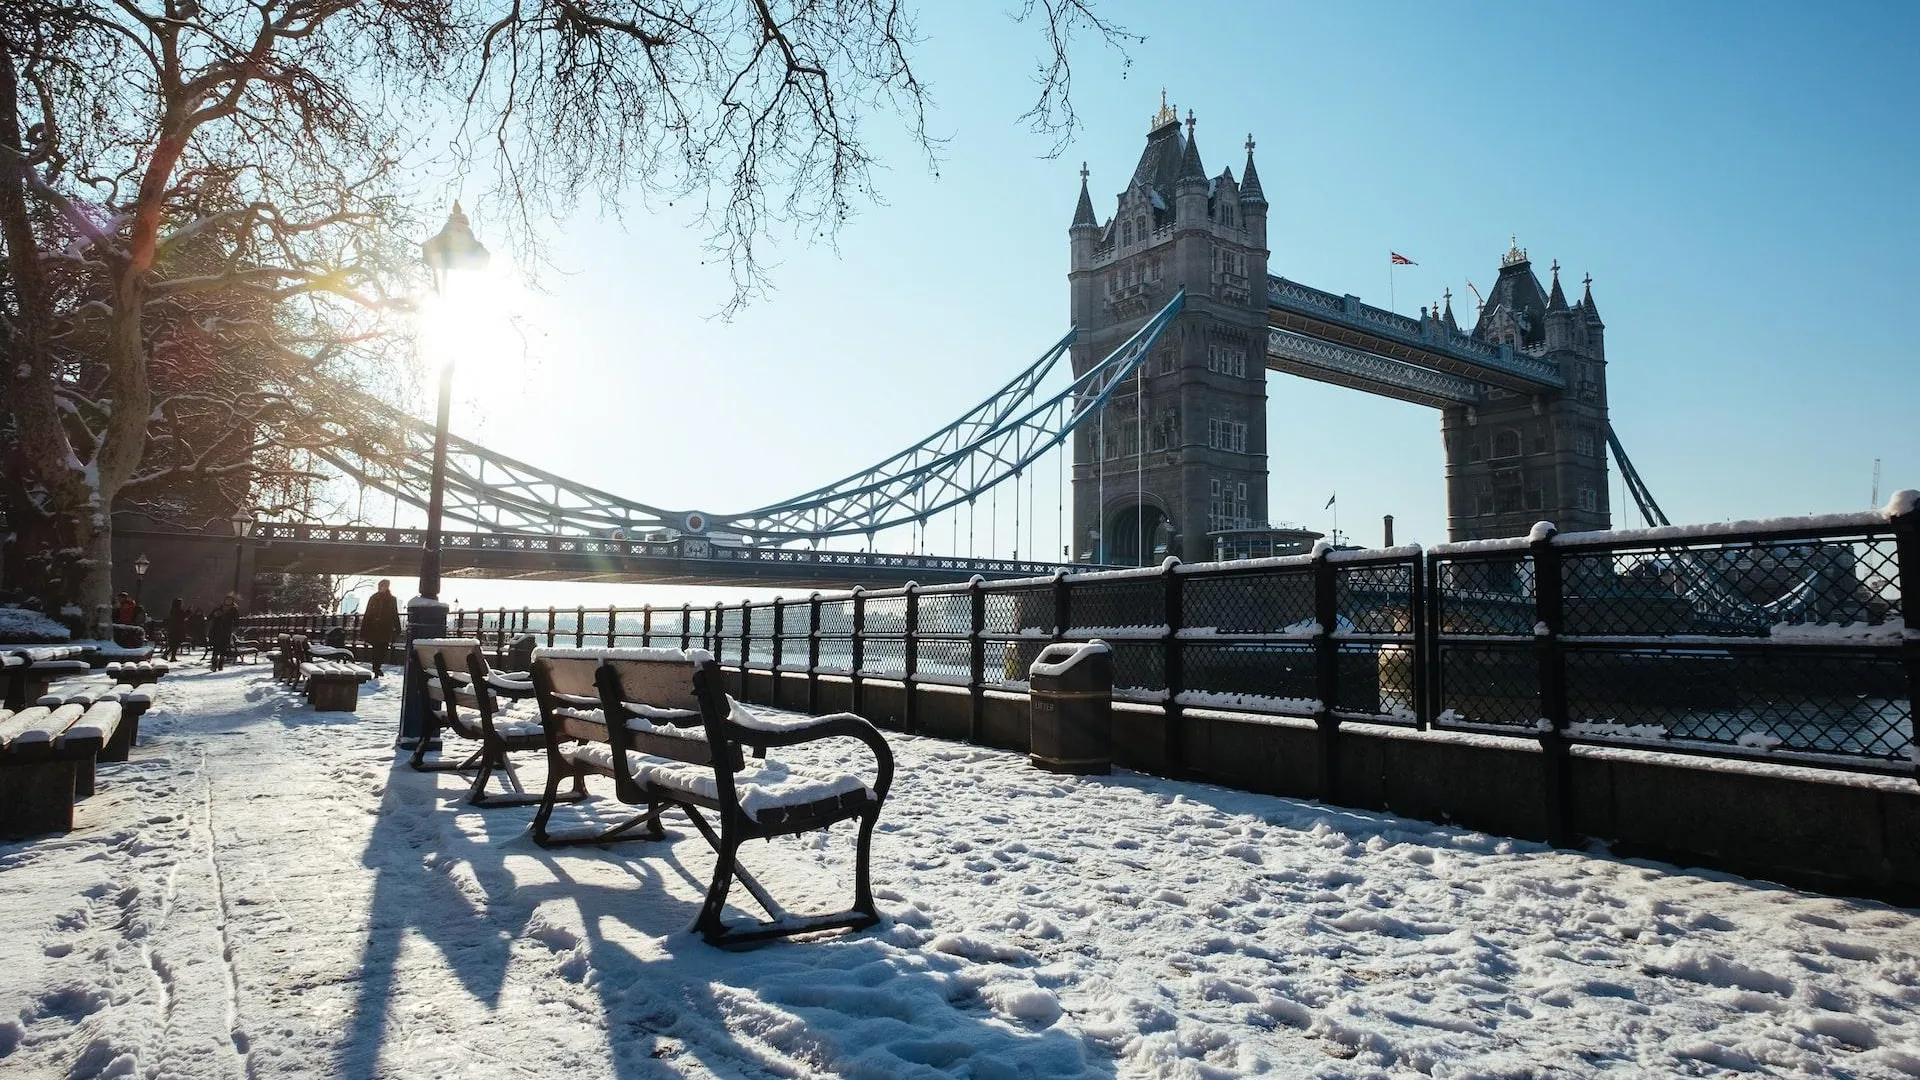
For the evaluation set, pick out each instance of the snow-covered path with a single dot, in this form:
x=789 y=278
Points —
x=261 y=893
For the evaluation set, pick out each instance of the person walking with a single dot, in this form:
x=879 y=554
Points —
x=381 y=623
x=196 y=627
x=220 y=628
x=176 y=628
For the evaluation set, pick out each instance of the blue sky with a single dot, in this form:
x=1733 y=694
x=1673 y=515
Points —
x=1738 y=179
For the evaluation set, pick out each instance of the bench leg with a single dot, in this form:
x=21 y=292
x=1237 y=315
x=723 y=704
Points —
x=496 y=762
x=36 y=799
x=429 y=740
x=650 y=818
x=713 y=928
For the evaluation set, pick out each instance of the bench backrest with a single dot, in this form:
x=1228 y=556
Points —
x=648 y=693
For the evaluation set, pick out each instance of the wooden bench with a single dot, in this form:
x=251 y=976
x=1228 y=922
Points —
x=465 y=696
x=660 y=724
x=138 y=672
x=47 y=762
x=333 y=685
x=26 y=672
x=85 y=692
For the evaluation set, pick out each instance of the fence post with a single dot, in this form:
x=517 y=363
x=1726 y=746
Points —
x=746 y=644
x=1173 y=659
x=976 y=657
x=613 y=614
x=910 y=641
x=580 y=627
x=1326 y=672
x=710 y=633
x=1547 y=615
x=858 y=648
x=1421 y=636
x=779 y=629
x=1906 y=541
x=686 y=627
x=813 y=654
x=550 y=625
x=1062 y=605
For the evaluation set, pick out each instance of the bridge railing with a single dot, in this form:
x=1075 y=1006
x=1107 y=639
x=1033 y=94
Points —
x=1781 y=640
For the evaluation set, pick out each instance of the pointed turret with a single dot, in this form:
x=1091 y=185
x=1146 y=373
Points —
x=1447 y=317
x=1190 y=168
x=1586 y=302
x=1083 y=213
x=1250 y=190
x=1560 y=317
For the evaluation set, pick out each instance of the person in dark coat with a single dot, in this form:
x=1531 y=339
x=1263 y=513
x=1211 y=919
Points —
x=196 y=626
x=176 y=628
x=381 y=623
x=220 y=628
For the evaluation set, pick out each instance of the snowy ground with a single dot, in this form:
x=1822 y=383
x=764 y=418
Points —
x=260 y=892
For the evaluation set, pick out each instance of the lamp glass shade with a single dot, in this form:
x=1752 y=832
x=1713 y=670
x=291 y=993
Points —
x=140 y=566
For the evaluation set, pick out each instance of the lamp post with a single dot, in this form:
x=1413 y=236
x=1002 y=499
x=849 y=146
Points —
x=242 y=523
x=453 y=248
x=140 y=566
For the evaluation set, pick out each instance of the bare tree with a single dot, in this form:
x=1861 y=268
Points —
x=200 y=200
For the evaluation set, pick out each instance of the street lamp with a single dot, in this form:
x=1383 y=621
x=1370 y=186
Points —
x=140 y=566
x=453 y=248
x=242 y=523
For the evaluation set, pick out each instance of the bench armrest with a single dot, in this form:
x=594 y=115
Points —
x=759 y=732
x=517 y=685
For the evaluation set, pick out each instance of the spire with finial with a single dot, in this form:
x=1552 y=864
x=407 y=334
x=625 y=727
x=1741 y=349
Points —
x=1250 y=191
x=1190 y=167
x=1083 y=213
x=1515 y=255
x=1447 y=318
x=1556 y=300
x=1167 y=114
x=1593 y=313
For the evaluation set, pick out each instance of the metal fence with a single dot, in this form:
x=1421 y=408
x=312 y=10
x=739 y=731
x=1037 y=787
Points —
x=1782 y=640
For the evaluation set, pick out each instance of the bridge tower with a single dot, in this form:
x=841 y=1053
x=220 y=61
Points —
x=1181 y=450
x=1513 y=458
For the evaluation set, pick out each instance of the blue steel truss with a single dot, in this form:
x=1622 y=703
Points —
x=989 y=444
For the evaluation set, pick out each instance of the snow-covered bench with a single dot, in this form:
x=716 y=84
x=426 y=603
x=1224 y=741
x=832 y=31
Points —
x=495 y=709
x=47 y=762
x=660 y=724
x=25 y=673
x=334 y=685
x=88 y=691
x=137 y=672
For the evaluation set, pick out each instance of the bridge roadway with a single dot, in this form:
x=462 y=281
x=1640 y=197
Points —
x=392 y=552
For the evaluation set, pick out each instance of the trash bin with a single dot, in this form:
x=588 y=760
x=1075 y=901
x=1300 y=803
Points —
x=520 y=654
x=1070 y=687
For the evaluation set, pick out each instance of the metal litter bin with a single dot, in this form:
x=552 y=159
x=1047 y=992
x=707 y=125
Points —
x=1070 y=686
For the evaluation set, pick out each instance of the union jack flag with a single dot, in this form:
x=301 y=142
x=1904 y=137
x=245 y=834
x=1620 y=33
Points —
x=1401 y=260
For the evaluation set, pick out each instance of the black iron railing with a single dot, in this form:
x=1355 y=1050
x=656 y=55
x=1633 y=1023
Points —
x=1782 y=640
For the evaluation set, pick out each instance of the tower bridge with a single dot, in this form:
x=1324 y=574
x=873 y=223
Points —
x=1177 y=317
x=1182 y=453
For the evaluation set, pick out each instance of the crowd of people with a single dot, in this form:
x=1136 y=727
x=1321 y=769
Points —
x=187 y=628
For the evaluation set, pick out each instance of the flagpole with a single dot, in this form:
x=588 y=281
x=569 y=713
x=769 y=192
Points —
x=1393 y=303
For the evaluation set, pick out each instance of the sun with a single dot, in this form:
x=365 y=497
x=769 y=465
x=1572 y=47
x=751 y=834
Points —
x=477 y=323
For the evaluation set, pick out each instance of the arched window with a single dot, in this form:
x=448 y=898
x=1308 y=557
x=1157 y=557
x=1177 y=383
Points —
x=1507 y=443
x=1140 y=224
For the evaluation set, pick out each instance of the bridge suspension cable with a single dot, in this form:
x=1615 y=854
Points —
x=1650 y=511
x=990 y=443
